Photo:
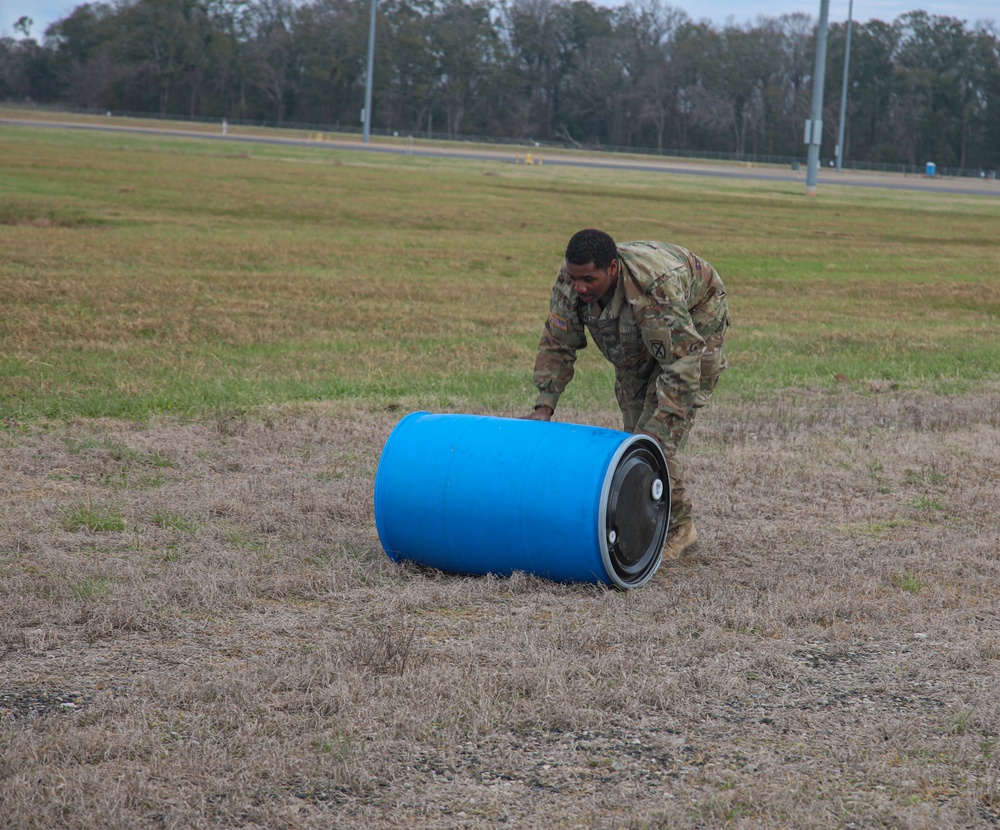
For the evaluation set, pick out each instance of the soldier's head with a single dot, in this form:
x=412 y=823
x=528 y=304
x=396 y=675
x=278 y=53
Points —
x=591 y=246
x=591 y=264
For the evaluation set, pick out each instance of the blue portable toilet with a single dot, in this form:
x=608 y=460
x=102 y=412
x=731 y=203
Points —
x=485 y=495
x=931 y=168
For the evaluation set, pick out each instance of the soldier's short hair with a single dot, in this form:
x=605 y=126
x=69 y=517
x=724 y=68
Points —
x=591 y=245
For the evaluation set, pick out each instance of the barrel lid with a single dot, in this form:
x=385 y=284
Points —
x=635 y=512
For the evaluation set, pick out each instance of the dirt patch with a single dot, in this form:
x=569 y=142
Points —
x=240 y=653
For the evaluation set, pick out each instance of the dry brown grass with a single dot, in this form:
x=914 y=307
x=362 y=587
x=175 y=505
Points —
x=243 y=654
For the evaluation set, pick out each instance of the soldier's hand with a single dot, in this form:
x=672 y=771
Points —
x=543 y=412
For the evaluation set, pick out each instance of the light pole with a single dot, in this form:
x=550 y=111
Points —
x=814 y=126
x=366 y=113
x=843 y=90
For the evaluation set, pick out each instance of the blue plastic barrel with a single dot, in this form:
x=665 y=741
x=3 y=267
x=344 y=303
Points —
x=484 y=495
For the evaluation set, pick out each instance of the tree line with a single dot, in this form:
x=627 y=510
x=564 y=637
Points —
x=642 y=75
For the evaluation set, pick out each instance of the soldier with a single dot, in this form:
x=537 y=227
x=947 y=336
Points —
x=659 y=314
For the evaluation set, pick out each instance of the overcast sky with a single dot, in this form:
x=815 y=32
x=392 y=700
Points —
x=44 y=12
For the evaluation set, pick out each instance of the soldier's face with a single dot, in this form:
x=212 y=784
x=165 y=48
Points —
x=591 y=282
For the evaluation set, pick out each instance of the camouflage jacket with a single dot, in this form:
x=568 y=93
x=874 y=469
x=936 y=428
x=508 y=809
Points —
x=665 y=304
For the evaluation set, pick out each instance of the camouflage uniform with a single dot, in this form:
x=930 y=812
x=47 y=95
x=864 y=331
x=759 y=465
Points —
x=662 y=329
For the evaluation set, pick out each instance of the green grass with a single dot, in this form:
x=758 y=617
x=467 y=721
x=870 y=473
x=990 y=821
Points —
x=96 y=519
x=91 y=589
x=147 y=274
x=909 y=582
x=168 y=520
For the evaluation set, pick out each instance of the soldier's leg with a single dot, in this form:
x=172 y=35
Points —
x=674 y=437
x=713 y=364
x=672 y=441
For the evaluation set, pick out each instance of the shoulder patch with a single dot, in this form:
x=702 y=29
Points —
x=558 y=322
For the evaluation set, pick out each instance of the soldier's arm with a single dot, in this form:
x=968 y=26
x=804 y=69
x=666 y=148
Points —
x=562 y=337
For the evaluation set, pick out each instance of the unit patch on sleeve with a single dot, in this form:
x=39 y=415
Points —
x=560 y=323
x=659 y=349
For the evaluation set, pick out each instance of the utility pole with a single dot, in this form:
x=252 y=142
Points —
x=366 y=113
x=814 y=126
x=843 y=90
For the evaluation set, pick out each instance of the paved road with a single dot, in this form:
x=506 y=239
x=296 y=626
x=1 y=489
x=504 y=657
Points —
x=643 y=164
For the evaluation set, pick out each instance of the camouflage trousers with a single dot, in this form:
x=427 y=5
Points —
x=640 y=407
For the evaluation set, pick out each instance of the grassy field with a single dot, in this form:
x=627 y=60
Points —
x=204 y=348
x=145 y=275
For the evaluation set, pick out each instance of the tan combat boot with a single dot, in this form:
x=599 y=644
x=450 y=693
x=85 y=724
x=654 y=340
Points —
x=678 y=540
